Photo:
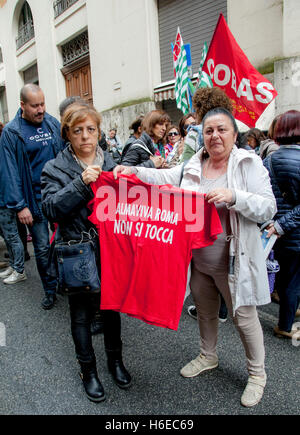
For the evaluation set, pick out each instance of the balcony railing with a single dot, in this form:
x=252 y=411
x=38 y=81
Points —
x=61 y=5
x=26 y=32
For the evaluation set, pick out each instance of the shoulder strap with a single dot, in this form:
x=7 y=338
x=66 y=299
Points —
x=140 y=144
x=182 y=169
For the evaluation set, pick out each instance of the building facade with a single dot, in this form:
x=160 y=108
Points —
x=117 y=53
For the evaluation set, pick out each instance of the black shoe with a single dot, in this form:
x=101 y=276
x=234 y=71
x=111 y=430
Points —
x=97 y=325
x=116 y=368
x=223 y=312
x=27 y=256
x=48 y=301
x=92 y=385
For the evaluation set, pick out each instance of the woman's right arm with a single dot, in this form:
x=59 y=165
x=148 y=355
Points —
x=152 y=175
x=59 y=201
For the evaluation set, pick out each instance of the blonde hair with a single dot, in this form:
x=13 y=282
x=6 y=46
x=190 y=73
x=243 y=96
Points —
x=76 y=113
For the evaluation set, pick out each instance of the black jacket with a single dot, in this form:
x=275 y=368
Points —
x=138 y=153
x=285 y=179
x=65 y=196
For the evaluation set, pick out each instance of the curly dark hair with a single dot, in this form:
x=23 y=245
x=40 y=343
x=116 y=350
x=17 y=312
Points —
x=206 y=99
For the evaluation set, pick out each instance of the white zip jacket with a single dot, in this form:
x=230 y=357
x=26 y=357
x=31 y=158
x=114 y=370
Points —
x=255 y=203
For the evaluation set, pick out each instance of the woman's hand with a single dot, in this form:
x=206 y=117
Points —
x=91 y=174
x=271 y=230
x=219 y=195
x=120 y=169
x=158 y=161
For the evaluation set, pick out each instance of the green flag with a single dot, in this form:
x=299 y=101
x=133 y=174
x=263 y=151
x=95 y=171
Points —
x=181 y=74
x=203 y=80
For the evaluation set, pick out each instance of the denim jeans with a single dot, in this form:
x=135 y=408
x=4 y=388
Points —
x=41 y=244
x=14 y=245
x=287 y=285
x=82 y=309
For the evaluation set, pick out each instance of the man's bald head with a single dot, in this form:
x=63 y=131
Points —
x=32 y=102
x=29 y=88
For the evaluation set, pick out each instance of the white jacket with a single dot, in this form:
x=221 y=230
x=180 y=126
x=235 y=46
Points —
x=255 y=203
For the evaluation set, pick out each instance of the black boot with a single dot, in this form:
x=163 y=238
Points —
x=116 y=367
x=97 y=324
x=92 y=385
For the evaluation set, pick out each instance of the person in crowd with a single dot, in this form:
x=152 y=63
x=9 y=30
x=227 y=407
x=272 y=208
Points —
x=269 y=146
x=14 y=269
x=172 y=136
x=136 y=127
x=66 y=193
x=114 y=145
x=204 y=99
x=238 y=184
x=146 y=151
x=283 y=166
x=27 y=143
x=254 y=137
x=97 y=321
x=241 y=142
x=185 y=122
x=68 y=101
x=77 y=99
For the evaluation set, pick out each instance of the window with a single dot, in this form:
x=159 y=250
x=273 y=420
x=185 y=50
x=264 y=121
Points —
x=31 y=75
x=25 y=28
x=61 y=5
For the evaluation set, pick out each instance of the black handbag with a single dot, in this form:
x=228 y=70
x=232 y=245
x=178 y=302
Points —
x=76 y=266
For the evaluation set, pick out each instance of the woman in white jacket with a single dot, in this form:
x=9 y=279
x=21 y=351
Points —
x=237 y=182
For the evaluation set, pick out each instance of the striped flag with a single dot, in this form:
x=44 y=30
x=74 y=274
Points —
x=181 y=74
x=203 y=80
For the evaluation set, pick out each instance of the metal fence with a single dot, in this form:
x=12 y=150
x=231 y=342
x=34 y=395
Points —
x=26 y=32
x=61 y=5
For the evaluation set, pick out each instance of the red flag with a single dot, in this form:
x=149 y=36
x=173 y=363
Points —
x=230 y=70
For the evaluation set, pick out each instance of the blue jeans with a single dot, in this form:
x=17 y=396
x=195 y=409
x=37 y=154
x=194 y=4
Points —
x=287 y=285
x=10 y=233
x=41 y=243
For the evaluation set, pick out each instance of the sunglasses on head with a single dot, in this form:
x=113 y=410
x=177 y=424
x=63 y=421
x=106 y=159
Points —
x=173 y=134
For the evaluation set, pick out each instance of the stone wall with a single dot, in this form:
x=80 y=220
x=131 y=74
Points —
x=287 y=84
x=122 y=118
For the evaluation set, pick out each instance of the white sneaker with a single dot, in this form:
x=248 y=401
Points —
x=6 y=272
x=198 y=365
x=254 y=391
x=15 y=277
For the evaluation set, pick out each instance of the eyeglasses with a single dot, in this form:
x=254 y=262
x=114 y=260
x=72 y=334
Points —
x=173 y=134
x=186 y=126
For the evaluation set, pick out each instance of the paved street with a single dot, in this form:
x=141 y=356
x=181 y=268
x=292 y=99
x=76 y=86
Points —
x=39 y=373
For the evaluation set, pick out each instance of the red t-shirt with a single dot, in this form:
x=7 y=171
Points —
x=147 y=233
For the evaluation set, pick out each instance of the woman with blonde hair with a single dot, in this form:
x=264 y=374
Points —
x=66 y=193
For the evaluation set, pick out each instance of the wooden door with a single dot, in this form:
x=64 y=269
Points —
x=79 y=82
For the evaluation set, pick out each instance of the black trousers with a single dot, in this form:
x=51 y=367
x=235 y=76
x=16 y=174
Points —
x=287 y=285
x=82 y=309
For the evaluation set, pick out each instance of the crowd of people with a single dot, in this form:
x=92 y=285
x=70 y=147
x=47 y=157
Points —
x=47 y=168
